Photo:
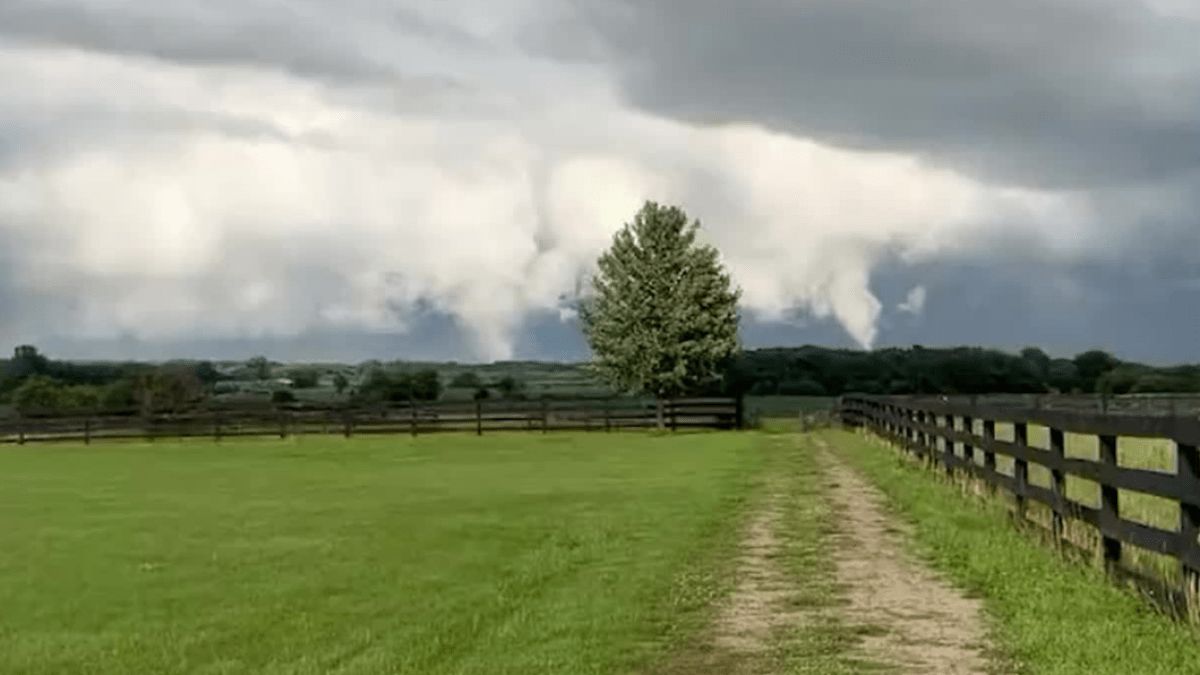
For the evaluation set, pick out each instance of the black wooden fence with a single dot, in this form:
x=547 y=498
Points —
x=472 y=417
x=932 y=428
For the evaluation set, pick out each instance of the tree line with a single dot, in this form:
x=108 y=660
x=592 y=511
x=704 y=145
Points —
x=818 y=371
x=33 y=383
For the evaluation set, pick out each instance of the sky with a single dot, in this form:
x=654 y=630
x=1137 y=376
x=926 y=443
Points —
x=320 y=180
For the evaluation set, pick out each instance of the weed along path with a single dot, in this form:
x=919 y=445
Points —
x=757 y=604
x=743 y=632
x=921 y=624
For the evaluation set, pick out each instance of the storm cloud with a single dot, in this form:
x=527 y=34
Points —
x=1072 y=93
x=325 y=179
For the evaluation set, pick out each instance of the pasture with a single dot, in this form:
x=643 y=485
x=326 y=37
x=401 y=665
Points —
x=636 y=552
x=513 y=553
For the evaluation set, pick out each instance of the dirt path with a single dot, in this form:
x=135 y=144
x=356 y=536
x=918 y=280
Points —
x=926 y=625
x=756 y=606
x=761 y=604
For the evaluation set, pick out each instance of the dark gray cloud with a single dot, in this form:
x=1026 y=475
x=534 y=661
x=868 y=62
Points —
x=339 y=41
x=1140 y=313
x=433 y=338
x=1034 y=92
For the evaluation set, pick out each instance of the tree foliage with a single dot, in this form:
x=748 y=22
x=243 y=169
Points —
x=167 y=389
x=41 y=395
x=466 y=380
x=381 y=385
x=305 y=378
x=340 y=382
x=662 y=317
x=510 y=387
x=259 y=368
x=958 y=370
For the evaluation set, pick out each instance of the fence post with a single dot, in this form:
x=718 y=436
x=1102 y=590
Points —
x=412 y=419
x=348 y=423
x=1021 y=468
x=674 y=422
x=920 y=449
x=968 y=448
x=607 y=415
x=931 y=440
x=282 y=425
x=1110 y=507
x=1188 y=472
x=948 y=446
x=893 y=425
x=217 y=428
x=914 y=434
x=87 y=431
x=989 y=455
x=21 y=430
x=545 y=416
x=478 y=417
x=740 y=412
x=1058 y=483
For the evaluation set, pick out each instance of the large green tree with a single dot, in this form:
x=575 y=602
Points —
x=662 y=318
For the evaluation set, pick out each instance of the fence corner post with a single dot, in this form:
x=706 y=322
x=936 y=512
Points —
x=1188 y=473
x=948 y=445
x=1021 y=469
x=1058 y=484
x=989 y=454
x=1110 y=507
x=478 y=417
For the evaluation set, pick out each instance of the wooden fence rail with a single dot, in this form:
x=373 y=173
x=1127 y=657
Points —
x=933 y=430
x=474 y=417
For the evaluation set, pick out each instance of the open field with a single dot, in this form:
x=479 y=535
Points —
x=789 y=407
x=697 y=553
x=509 y=554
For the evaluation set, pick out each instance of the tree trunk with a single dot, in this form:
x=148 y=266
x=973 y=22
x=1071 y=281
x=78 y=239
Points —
x=661 y=417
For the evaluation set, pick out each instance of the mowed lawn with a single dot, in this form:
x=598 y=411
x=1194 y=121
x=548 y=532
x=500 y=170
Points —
x=516 y=553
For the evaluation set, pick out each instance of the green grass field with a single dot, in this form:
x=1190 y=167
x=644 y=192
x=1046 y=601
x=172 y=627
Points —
x=507 y=554
x=787 y=407
x=511 y=553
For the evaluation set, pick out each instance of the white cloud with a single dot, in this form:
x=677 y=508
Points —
x=914 y=302
x=224 y=201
